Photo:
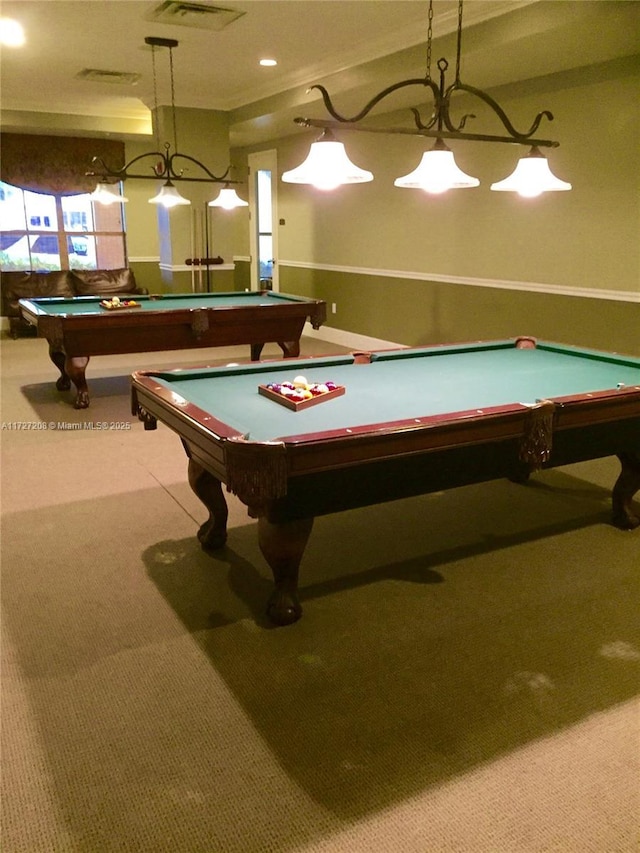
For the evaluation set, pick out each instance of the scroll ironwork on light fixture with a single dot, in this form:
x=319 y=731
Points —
x=166 y=164
x=437 y=170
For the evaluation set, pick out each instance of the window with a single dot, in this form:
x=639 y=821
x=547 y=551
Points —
x=44 y=232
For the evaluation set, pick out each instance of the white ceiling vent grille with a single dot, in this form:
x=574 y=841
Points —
x=96 y=75
x=204 y=16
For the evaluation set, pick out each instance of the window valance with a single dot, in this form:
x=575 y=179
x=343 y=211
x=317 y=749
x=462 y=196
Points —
x=54 y=164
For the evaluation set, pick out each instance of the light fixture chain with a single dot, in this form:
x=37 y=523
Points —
x=429 y=39
x=163 y=166
x=155 y=96
x=173 y=103
x=459 y=48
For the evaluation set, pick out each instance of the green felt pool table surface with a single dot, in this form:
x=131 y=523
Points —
x=401 y=385
x=90 y=305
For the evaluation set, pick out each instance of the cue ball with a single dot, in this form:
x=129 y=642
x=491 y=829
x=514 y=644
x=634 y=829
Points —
x=300 y=382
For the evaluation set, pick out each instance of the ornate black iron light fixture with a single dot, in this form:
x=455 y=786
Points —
x=166 y=164
x=328 y=166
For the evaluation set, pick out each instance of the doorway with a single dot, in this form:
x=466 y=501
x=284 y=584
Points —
x=263 y=176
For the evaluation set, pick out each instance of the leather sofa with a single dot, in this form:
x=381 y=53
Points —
x=64 y=283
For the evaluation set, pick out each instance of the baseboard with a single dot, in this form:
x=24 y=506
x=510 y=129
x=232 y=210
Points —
x=350 y=340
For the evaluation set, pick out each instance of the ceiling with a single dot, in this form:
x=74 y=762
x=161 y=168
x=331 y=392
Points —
x=354 y=47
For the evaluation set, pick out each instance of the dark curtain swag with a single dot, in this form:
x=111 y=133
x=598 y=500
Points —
x=54 y=164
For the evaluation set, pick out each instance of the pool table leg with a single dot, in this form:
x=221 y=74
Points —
x=627 y=484
x=72 y=370
x=290 y=349
x=213 y=533
x=282 y=546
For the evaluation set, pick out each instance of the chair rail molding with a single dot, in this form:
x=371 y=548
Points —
x=500 y=284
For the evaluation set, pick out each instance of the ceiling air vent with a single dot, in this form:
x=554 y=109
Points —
x=96 y=75
x=204 y=16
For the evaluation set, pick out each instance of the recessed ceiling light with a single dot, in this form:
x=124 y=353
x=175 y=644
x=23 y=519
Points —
x=268 y=62
x=11 y=33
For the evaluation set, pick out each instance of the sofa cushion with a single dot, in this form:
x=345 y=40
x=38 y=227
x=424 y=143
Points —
x=103 y=282
x=19 y=285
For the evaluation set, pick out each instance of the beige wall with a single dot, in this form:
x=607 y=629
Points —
x=583 y=238
x=416 y=313
x=140 y=217
x=409 y=268
x=544 y=257
x=160 y=242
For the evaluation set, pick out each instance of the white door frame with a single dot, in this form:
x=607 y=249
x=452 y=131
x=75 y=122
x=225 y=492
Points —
x=262 y=160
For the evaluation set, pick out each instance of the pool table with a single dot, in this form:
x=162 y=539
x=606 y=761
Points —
x=410 y=421
x=80 y=327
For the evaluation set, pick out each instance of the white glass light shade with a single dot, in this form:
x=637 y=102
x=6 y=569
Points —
x=531 y=177
x=107 y=194
x=327 y=166
x=437 y=172
x=11 y=33
x=169 y=197
x=229 y=199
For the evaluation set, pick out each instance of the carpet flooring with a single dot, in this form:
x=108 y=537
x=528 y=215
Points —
x=464 y=679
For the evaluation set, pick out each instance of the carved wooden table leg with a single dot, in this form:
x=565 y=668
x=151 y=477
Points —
x=213 y=533
x=282 y=546
x=290 y=349
x=521 y=474
x=71 y=370
x=59 y=358
x=75 y=367
x=627 y=484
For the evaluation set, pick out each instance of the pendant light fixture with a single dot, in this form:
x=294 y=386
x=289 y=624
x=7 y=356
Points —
x=437 y=170
x=107 y=194
x=168 y=196
x=531 y=177
x=327 y=166
x=228 y=199
x=165 y=163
